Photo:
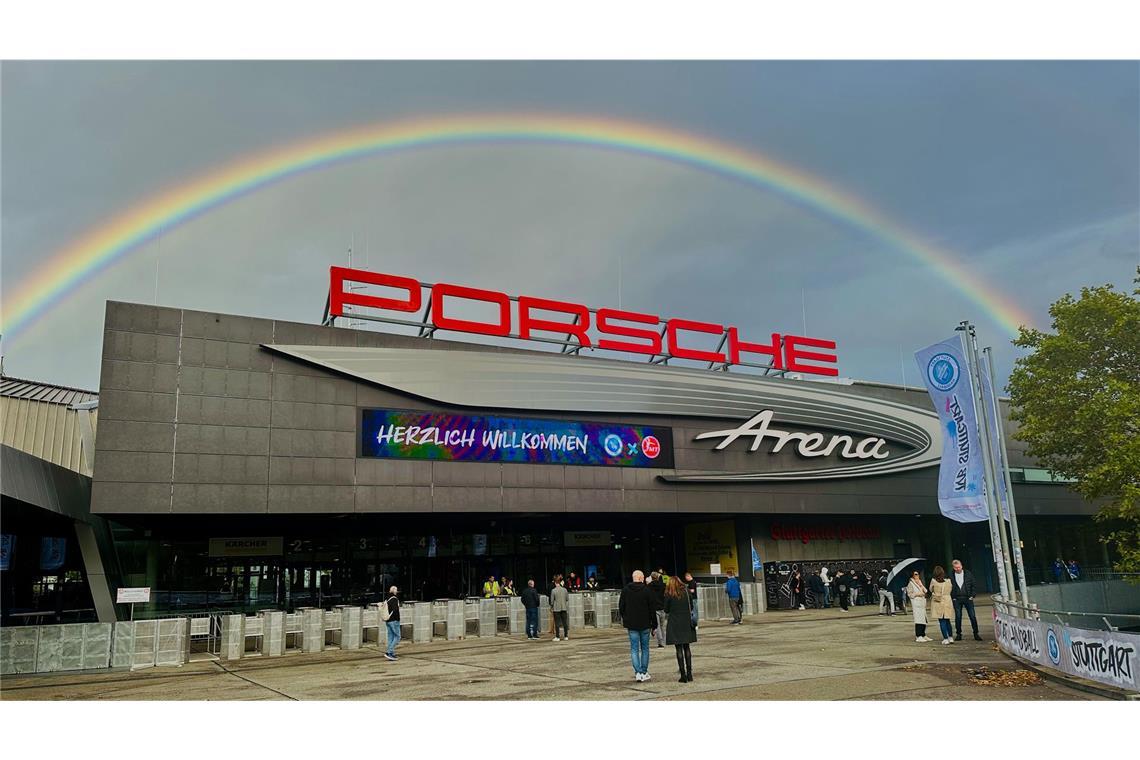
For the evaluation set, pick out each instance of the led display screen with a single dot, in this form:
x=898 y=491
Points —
x=402 y=434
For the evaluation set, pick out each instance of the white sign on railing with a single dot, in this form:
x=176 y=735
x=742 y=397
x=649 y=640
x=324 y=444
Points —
x=1108 y=657
x=133 y=595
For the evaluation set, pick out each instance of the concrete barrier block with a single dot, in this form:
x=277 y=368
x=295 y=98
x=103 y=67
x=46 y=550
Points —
x=576 y=612
x=351 y=633
x=456 y=620
x=312 y=630
x=516 y=620
x=747 y=590
x=272 y=633
x=421 y=622
x=233 y=637
x=603 y=618
x=545 y=621
x=488 y=620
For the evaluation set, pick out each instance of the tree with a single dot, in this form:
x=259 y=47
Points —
x=1077 y=399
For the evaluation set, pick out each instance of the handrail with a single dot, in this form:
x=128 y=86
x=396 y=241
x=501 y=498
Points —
x=1033 y=609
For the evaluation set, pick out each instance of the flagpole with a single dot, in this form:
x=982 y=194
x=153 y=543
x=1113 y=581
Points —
x=1017 y=554
x=996 y=542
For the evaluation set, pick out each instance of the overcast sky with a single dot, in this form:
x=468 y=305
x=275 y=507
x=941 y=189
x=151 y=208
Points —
x=1030 y=173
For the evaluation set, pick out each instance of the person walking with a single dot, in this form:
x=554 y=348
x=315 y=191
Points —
x=560 y=606
x=657 y=586
x=815 y=583
x=885 y=596
x=531 y=603
x=691 y=586
x=962 y=593
x=392 y=623
x=941 y=607
x=735 y=597
x=842 y=582
x=681 y=631
x=916 y=591
x=826 y=581
x=638 y=612
x=796 y=586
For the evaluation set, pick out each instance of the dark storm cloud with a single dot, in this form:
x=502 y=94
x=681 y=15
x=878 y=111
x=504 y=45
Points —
x=1027 y=171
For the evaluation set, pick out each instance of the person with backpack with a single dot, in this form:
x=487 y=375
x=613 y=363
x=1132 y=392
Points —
x=531 y=603
x=390 y=614
x=885 y=596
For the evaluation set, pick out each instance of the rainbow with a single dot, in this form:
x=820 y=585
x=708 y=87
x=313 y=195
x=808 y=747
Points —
x=100 y=248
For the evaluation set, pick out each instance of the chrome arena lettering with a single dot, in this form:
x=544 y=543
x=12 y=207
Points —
x=645 y=334
x=809 y=444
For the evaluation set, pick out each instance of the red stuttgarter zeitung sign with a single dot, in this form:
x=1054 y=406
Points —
x=654 y=337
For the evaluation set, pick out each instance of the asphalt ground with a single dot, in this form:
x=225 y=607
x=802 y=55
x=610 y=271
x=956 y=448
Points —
x=794 y=655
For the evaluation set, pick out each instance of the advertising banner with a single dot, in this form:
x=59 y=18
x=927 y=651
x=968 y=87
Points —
x=399 y=434
x=997 y=451
x=7 y=544
x=709 y=544
x=960 y=477
x=587 y=538
x=1108 y=657
x=254 y=546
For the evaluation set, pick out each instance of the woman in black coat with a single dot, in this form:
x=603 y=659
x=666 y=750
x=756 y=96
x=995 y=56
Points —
x=679 y=629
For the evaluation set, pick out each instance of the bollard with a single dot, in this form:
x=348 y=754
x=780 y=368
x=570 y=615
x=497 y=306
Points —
x=272 y=633
x=488 y=618
x=576 y=612
x=233 y=637
x=456 y=620
x=421 y=622
x=545 y=622
x=312 y=630
x=603 y=618
x=516 y=618
x=351 y=630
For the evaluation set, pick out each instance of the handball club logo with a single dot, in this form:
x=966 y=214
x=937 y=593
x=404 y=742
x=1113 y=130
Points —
x=650 y=446
x=1053 y=646
x=612 y=445
x=943 y=371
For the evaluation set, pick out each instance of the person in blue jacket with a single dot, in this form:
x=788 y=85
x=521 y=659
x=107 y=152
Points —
x=735 y=598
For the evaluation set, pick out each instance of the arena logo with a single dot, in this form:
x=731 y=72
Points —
x=808 y=445
x=643 y=333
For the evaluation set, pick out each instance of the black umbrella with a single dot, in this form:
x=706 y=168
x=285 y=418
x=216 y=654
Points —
x=900 y=573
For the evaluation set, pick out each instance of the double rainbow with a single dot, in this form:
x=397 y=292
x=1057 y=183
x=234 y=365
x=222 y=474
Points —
x=99 y=249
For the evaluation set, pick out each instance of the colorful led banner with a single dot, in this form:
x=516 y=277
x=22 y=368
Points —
x=399 y=434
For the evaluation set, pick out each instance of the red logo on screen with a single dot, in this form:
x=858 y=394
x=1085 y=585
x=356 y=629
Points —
x=651 y=446
x=570 y=324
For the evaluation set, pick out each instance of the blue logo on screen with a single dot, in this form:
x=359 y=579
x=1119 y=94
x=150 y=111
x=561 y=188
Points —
x=1054 y=647
x=943 y=371
x=612 y=445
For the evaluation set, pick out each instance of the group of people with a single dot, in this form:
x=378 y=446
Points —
x=506 y=586
x=847 y=587
x=947 y=595
x=664 y=607
x=1070 y=570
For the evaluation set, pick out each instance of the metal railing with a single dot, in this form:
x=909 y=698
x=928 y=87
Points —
x=1097 y=620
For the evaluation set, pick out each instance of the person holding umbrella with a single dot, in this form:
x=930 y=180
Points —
x=916 y=591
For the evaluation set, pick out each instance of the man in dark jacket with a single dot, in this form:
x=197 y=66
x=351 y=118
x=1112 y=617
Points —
x=530 y=603
x=886 y=598
x=657 y=586
x=815 y=583
x=692 y=586
x=962 y=591
x=638 y=611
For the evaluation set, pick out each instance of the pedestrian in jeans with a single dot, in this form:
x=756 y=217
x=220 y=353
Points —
x=962 y=592
x=735 y=597
x=530 y=603
x=560 y=606
x=393 y=623
x=638 y=612
x=826 y=580
x=657 y=586
x=886 y=596
x=940 y=605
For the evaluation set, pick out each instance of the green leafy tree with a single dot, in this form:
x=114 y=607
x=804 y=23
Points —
x=1077 y=399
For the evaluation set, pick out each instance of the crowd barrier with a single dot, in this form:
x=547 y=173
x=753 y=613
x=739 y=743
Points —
x=273 y=633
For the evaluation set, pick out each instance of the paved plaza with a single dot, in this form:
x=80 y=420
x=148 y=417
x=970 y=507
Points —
x=823 y=654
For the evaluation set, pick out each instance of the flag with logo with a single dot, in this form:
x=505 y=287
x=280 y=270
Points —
x=997 y=451
x=961 y=477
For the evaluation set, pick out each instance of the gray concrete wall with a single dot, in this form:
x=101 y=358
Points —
x=197 y=418
x=1119 y=596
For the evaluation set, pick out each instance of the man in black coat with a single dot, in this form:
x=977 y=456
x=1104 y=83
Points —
x=530 y=603
x=657 y=586
x=962 y=591
x=815 y=583
x=638 y=609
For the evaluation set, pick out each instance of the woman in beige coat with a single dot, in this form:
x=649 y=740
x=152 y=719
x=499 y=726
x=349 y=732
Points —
x=941 y=607
x=916 y=592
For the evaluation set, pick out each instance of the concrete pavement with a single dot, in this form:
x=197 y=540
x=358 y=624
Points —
x=809 y=655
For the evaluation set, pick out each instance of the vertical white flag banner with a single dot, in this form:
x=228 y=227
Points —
x=961 y=477
x=997 y=451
